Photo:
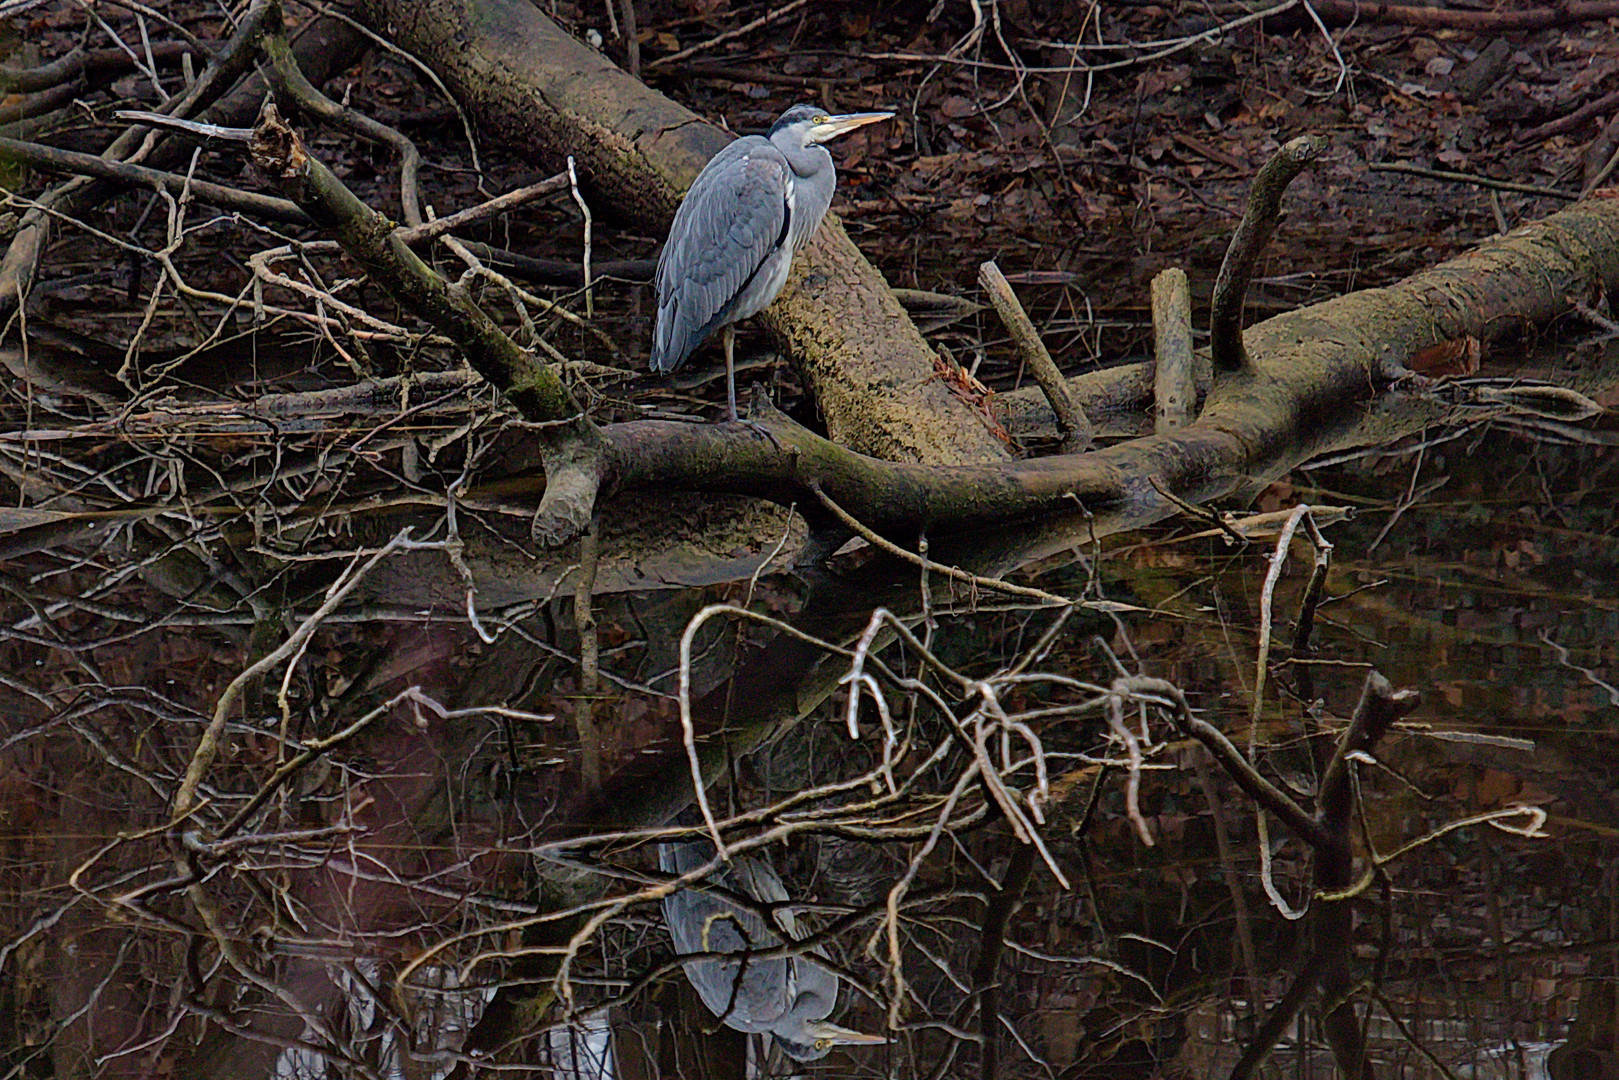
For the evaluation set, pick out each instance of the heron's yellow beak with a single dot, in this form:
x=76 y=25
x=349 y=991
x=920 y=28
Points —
x=833 y=126
x=830 y=1033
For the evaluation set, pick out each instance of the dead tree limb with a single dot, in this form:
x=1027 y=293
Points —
x=1175 y=368
x=263 y=207
x=1571 y=13
x=83 y=64
x=1380 y=706
x=1003 y=903
x=533 y=389
x=291 y=83
x=572 y=448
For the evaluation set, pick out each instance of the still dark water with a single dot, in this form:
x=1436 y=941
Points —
x=418 y=848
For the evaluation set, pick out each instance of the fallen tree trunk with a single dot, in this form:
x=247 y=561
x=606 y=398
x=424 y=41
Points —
x=1312 y=375
x=531 y=84
x=1307 y=390
x=1303 y=390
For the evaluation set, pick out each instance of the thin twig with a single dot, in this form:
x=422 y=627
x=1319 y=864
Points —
x=584 y=209
x=1267 y=598
x=729 y=35
x=952 y=572
x=1470 y=178
x=500 y=204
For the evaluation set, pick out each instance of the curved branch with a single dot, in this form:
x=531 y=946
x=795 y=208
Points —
x=290 y=81
x=1253 y=233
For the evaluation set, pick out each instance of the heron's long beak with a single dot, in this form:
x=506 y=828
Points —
x=832 y=1033
x=838 y=125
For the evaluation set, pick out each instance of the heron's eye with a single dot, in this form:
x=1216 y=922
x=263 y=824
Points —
x=822 y=118
x=823 y=1044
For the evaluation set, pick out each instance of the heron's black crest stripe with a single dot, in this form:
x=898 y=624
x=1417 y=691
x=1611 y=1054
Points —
x=786 y=216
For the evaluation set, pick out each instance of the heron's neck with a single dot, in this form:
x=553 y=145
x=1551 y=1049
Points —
x=809 y=160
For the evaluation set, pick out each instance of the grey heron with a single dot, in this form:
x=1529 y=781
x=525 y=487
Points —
x=788 y=998
x=750 y=210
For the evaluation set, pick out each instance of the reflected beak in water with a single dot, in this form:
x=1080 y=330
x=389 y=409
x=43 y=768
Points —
x=824 y=1032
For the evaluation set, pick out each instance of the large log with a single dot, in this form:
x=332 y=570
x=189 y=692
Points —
x=1320 y=379
x=530 y=84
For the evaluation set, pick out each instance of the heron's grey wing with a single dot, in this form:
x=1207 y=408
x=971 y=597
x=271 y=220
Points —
x=751 y=997
x=812 y=990
x=759 y=879
x=684 y=856
x=732 y=221
x=739 y=928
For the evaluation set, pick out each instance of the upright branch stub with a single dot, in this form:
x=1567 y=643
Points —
x=1174 y=372
x=1380 y=707
x=1253 y=233
x=1076 y=428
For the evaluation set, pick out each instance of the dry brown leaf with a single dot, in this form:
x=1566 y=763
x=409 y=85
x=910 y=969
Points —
x=1458 y=356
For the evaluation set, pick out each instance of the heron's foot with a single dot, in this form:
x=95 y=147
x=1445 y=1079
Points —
x=759 y=408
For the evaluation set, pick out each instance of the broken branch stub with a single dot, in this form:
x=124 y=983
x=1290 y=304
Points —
x=1174 y=361
x=1077 y=432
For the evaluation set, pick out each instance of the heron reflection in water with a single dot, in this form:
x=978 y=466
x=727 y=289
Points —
x=787 y=998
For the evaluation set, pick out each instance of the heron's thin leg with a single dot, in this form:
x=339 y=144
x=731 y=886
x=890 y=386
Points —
x=728 y=340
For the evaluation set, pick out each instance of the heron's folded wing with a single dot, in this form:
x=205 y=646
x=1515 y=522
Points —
x=752 y=996
x=733 y=219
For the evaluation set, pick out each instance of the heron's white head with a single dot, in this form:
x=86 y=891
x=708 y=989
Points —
x=815 y=125
x=819 y=1037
